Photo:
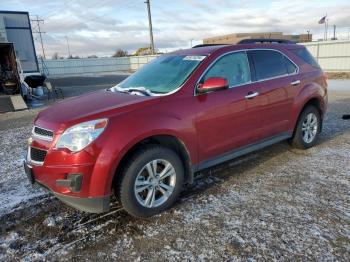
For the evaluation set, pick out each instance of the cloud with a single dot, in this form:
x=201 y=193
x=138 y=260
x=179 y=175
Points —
x=101 y=26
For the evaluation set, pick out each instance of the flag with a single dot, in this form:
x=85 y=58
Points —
x=322 y=20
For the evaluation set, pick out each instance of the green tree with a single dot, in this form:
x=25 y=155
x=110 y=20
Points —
x=143 y=51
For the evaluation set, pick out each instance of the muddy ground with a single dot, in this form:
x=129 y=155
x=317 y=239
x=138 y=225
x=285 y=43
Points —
x=275 y=204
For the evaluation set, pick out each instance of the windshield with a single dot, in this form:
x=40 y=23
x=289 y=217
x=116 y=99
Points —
x=162 y=75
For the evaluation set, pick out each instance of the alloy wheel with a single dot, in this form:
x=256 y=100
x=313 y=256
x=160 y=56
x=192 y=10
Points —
x=309 y=128
x=155 y=183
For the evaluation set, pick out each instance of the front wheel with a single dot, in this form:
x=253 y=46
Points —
x=308 y=128
x=151 y=181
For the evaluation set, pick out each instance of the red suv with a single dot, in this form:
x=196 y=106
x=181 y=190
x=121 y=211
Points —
x=185 y=111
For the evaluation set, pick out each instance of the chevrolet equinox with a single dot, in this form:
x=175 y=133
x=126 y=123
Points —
x=146 y=137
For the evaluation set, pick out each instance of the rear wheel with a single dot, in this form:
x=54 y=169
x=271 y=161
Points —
x=151 y=181
x=308 y=128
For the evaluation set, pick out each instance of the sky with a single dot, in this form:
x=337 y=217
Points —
x=99 y=27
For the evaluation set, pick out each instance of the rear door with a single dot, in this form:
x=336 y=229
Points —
x=226 y=119
x=275 y=74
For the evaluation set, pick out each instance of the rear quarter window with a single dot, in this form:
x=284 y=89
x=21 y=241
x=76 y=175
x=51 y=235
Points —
x=291 y=68
x=305 y=55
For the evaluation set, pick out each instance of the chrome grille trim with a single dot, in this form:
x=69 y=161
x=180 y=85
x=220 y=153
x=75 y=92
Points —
x=46 y=134
x=30 y=161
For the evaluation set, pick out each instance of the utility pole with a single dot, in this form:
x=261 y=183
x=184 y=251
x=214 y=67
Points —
x=69 y=54
x=150 y=26
x=308 y=35
x=334 y=29
x=37 y=30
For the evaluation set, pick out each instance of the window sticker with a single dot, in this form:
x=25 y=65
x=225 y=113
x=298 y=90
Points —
x=194 y=58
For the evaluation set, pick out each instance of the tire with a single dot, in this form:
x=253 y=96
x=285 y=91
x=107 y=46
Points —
x=138 y=175
x=306 y=133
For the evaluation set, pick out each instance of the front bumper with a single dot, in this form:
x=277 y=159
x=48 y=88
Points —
x=88 y=204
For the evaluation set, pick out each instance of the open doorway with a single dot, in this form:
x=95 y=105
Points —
x=9 y=77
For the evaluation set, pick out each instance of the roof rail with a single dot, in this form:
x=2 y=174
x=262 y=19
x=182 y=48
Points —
x=203 y=45
x=265 y=40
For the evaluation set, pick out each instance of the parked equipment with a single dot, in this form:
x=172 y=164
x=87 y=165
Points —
x=19 y=70
x=9 y=77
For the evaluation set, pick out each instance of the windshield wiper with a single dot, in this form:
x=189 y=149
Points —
x=141 y=89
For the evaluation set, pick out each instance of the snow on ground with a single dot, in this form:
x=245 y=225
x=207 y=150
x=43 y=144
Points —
x=14 y=188
x=275 y=204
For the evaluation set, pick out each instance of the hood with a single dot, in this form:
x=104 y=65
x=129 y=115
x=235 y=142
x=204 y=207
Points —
x=88 y=107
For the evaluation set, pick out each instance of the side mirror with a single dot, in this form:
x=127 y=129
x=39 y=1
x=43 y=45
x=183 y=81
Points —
x=213 y=84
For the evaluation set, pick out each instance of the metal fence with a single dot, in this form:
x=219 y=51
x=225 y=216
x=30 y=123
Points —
x=333 y=56
x=93 y=65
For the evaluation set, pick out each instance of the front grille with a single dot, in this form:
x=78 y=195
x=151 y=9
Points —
x=43 y=132
x=37 y=154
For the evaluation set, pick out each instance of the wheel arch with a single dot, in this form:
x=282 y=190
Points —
x=313 y=101
x=169 y=141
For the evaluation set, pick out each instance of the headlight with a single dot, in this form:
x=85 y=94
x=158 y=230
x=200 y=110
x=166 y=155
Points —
x=81 y=135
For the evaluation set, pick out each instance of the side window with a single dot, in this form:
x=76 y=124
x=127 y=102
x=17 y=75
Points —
x=268 y=64
x=234 y=67
x=291 y=68
x=304 y=54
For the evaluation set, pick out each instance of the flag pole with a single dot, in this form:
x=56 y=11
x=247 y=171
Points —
x=326 y=27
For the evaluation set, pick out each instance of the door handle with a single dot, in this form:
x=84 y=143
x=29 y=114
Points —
x=251 y=95
x=295 y=83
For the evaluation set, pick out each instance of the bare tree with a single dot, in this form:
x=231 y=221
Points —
x=73 y=57
x=55 y=56
x=120 y=53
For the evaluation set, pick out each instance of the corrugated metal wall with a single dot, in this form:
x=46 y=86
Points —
x=333 y=56
x=93 y=65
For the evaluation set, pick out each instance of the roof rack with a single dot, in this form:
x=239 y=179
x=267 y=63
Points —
x=204 y=45
x=265 y=40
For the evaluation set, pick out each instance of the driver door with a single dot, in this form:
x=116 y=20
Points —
x=227 y=119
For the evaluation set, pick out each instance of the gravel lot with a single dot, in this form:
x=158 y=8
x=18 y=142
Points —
x=275 y=204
